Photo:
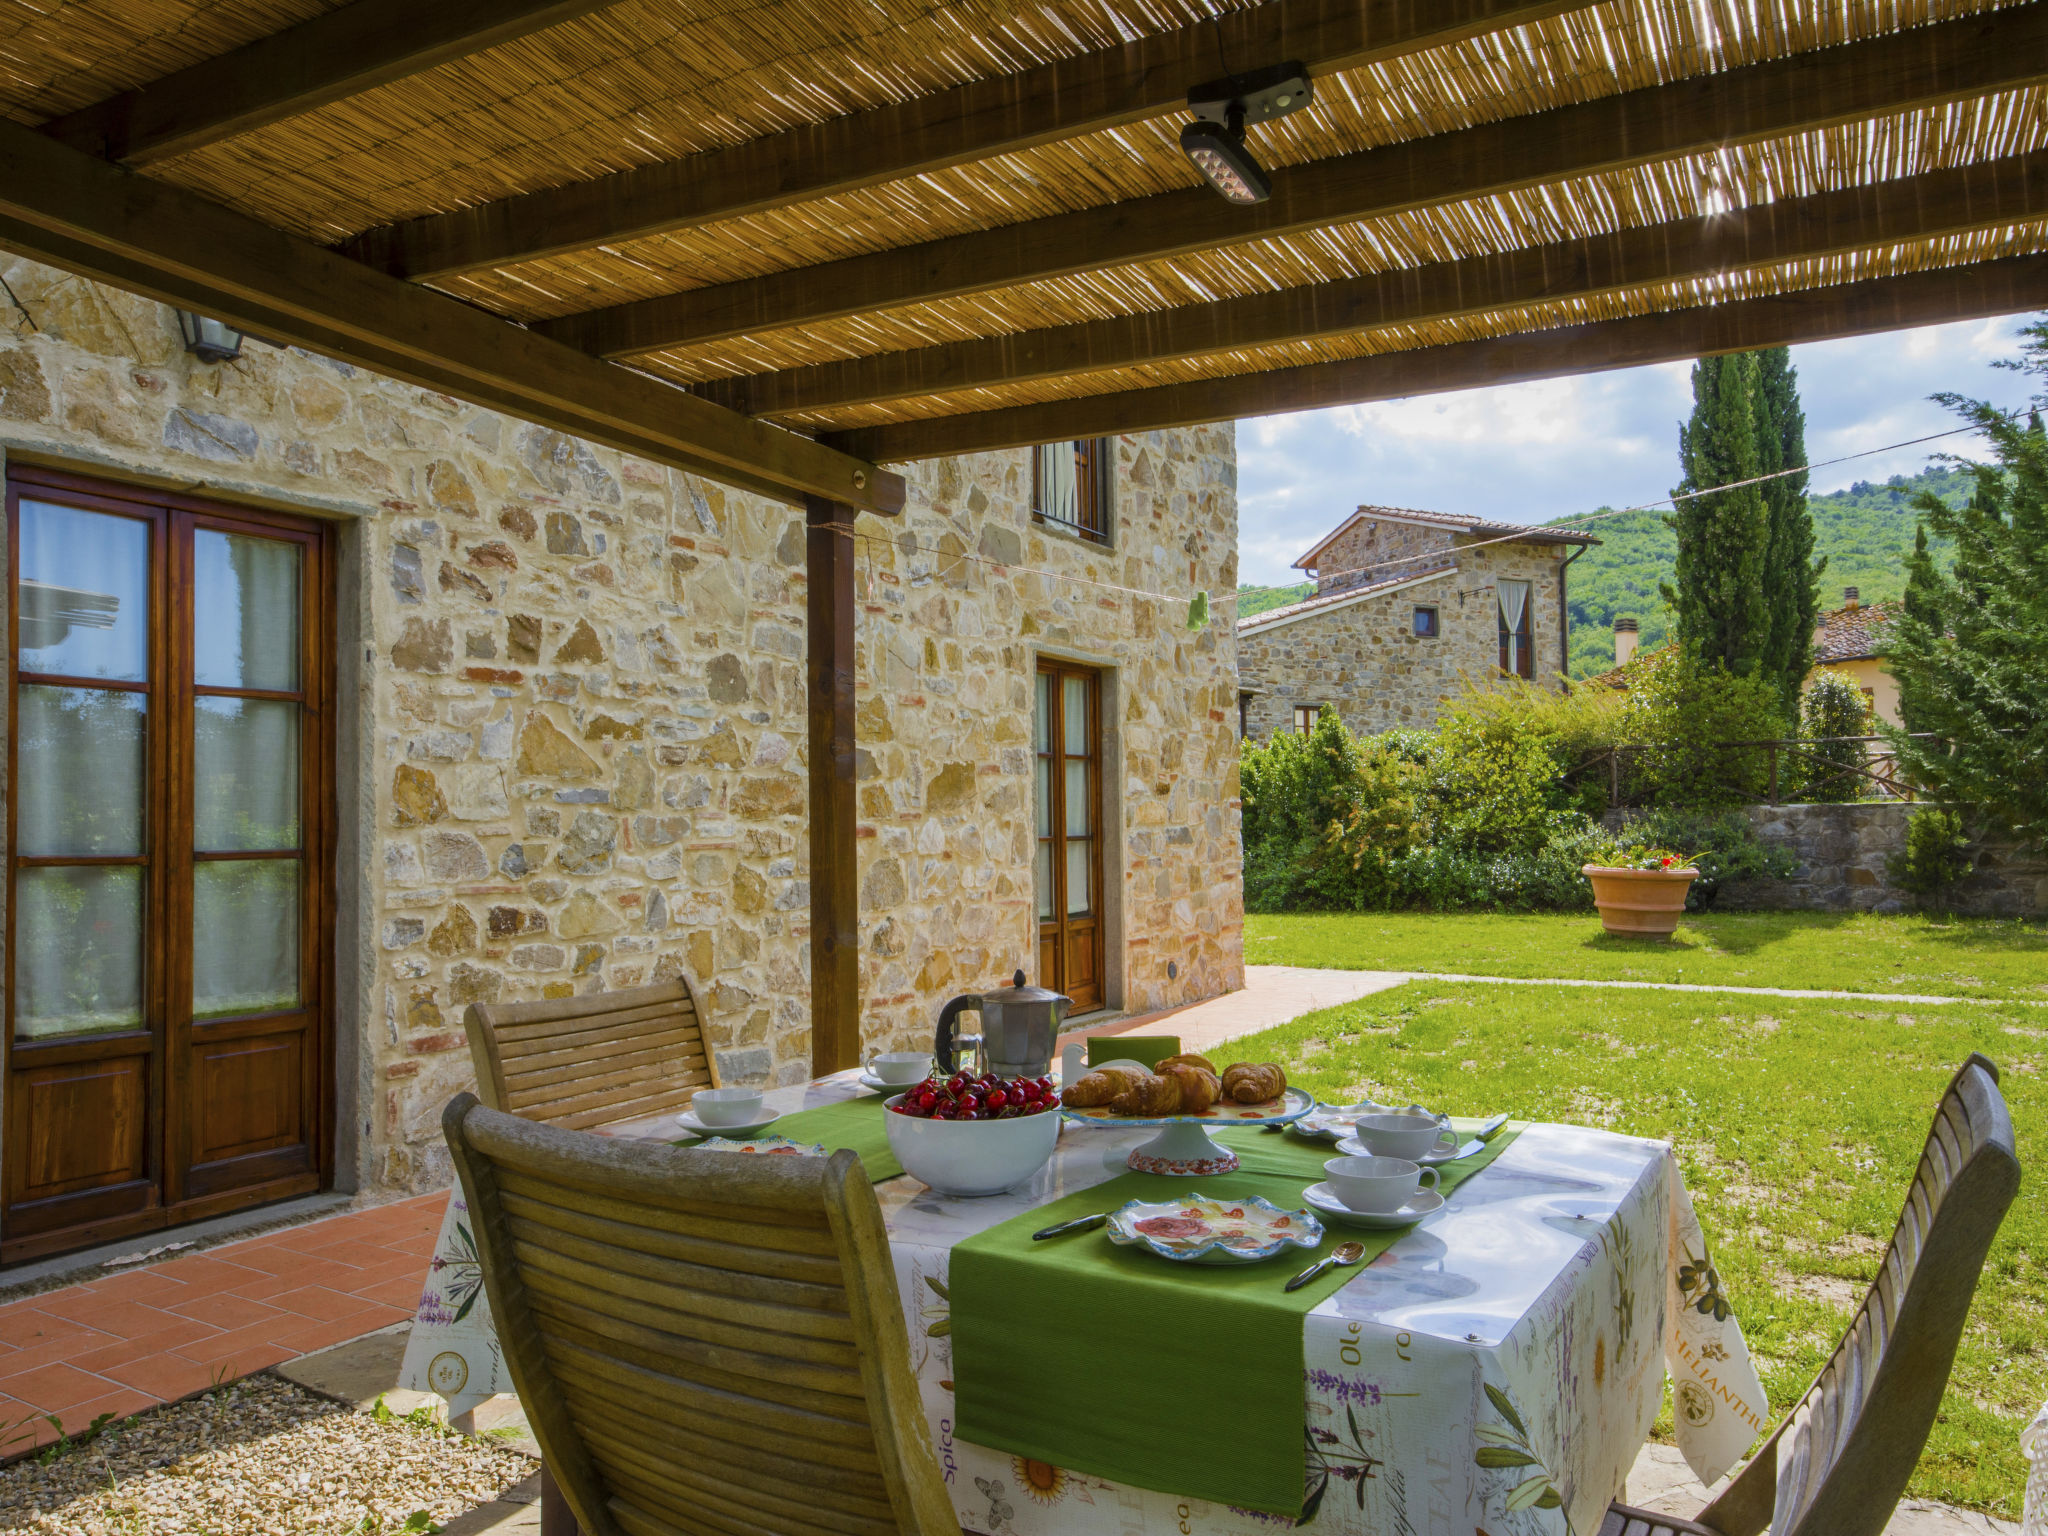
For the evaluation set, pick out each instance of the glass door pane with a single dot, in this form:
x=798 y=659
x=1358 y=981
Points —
x=245 y=626
x=77 y=950
x=245 y=755
x=79 y=771
x=83 y=593
x=245 y=937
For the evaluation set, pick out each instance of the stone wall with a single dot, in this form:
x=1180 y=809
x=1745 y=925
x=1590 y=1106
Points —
x=577 y=677
x=1371 y=550
x=1366 y=662
x=1842 y=851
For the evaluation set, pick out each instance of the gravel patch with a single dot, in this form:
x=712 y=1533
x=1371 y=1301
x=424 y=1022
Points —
x=259 y=1458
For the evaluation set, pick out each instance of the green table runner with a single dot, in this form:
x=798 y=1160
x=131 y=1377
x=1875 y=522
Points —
x=855 y=1124
x=1113 y=1360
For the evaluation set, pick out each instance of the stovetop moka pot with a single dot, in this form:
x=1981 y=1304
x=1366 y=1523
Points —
x=1019 y=1024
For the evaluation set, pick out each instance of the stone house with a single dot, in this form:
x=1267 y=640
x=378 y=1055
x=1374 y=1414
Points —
x=1409 y=606
x=1850 y=639
x=458 y=708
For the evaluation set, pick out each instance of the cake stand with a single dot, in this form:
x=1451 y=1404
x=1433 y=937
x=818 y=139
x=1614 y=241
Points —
x=1183 y=1147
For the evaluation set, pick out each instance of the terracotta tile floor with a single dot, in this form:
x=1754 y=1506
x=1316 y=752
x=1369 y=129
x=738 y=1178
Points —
x=154 y=1335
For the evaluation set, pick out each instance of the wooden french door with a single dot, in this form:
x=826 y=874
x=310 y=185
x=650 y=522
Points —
x=166 y=1023
x=1067 y=731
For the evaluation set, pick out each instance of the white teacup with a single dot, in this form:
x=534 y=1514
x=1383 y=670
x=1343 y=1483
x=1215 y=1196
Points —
x=1376 y=1185
x=1406 y=1134
x=727 y=1106
x=901 y=1067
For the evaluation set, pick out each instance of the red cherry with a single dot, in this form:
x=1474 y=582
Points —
x=996 y=1098
x=1036 y=1107
x=970 y=1101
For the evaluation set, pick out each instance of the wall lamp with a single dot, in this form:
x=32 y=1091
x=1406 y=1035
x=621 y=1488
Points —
x=1214 y=141
x=214 y=341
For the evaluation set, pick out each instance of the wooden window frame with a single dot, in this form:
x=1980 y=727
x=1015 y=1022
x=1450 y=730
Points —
x=169 y=856
x=1055 y=752
x=1094 y=488
x=1306 y=717
x=1525 y=639
x=1436 y=622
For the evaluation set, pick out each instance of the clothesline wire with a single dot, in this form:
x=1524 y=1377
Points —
x=958 y=557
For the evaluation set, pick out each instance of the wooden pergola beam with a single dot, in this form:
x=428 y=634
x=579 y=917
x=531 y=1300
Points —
x=1972 y=292
x=1919 y=207
x=1946 y=61
x=1084 y=94
x=341 y=53
x=103 y=221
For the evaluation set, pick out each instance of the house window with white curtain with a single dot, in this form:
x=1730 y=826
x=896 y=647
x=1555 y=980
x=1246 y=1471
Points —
x=1070 y=485
x=1517 y=654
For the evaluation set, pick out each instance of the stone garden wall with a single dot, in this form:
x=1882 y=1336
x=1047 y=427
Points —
x=1842 y=851
x=1367 y=663
x=576 y=688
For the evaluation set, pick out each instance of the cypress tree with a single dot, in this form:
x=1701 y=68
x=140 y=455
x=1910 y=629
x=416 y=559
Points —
x=1724 y=538
x=1791 y=576
x=1921 y=609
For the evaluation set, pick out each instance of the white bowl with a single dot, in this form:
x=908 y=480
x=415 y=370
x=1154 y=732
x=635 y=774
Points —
x=727 y=1106
x=971 y=1157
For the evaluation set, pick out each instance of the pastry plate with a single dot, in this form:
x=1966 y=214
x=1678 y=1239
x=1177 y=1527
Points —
x=1351 y=1146
x=1292 y=1104
x=1199 y=1230
x=688 y=1121
x=1422 y=1203
x=773 y=1146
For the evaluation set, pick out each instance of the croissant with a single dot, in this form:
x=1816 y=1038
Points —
x=1152 y=1095
x=1198 y=1085
x=1098 y=1087
x=1188 y=1059
x=1249 y=1084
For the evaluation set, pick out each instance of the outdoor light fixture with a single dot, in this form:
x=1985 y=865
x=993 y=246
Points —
x=1214 y=141
x=209 y=340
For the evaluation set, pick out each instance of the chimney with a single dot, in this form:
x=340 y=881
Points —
x=1850 y=599
x=1624 y=641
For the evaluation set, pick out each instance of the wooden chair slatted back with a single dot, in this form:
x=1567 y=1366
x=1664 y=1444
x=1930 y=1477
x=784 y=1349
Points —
x=585 y=1061
x=704 y=1341
x=1840 y=1460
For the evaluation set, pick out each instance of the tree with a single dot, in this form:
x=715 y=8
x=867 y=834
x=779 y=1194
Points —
x=1970 y=648
x=1723 y=538
x=1835 y=709
x=1791 y=576
x=1921 y=604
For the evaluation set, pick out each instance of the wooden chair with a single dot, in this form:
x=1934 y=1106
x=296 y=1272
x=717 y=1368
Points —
x=584 y=1061
x=1842 y=1457
x=703 y=1341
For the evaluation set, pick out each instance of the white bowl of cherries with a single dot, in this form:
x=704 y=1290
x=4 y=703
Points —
x=967 y=1135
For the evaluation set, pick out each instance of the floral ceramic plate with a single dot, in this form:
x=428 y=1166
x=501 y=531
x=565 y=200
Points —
x=1292 y=1104
x=1199 y=1230
x=1330 y=1122
x=774 y=1146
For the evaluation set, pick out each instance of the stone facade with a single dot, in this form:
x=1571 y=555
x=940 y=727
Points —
x=572 y=685
x=1842 y=851
x=1363 y=659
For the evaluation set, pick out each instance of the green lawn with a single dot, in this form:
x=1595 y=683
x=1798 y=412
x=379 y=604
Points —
x=1798 y=1124
x=1966 y=957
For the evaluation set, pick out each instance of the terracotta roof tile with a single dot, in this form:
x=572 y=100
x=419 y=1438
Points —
x=1852 y=634
x=1346 y=595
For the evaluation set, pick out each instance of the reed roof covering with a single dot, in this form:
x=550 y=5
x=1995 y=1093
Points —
x=914 y=228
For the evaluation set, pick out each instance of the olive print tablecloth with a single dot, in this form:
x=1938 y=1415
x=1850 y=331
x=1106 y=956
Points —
x=1496 y=1370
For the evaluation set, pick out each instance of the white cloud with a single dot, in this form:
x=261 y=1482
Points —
x=1531 y=452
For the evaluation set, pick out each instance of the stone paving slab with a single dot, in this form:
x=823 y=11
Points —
x=1661 y=1481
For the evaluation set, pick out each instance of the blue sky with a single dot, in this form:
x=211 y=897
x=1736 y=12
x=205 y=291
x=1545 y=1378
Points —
x=1525 y=453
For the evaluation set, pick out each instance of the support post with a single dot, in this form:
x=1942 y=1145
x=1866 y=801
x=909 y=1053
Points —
x=835 y=865
x=1774 y=773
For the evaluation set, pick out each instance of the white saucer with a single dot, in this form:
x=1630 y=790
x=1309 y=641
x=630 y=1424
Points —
x=689 y=1122
x=1325 y=1202
x=881 y=1085
x=1351 y=1146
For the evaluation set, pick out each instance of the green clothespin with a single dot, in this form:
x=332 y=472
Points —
x=1198 y=611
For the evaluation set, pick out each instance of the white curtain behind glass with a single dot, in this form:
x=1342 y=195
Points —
x=1514 y=598
x=1059 y=491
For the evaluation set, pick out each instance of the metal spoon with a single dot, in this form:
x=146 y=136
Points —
x=1343 y=1256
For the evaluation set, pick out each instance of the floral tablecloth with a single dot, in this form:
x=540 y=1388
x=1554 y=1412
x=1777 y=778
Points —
x=1499 y=1368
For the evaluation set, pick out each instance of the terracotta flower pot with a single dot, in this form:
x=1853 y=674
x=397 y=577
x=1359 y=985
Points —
x=1640 y=903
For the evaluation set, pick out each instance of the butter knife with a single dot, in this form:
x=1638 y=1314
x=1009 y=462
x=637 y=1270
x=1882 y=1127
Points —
x=1478 y=1143
x=1082 y=1224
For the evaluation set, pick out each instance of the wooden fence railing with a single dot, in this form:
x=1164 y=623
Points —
x=1879 y=770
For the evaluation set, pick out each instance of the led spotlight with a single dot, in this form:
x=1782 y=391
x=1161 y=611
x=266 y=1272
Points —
x=1214 y=141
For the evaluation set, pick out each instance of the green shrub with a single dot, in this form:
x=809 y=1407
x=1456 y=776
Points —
x=1295 y=789
x=1936 y=855
x=1387 y=821
x=1722 y=847
x=1494 y=776
x=1833 y=706
x=1689 y=717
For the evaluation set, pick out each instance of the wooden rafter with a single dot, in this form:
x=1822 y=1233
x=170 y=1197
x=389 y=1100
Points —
x=1925 y=66
x=1920 y=207
x=1088 y=93
x=100 y=220
x=1971 y=292
x=341 y=53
